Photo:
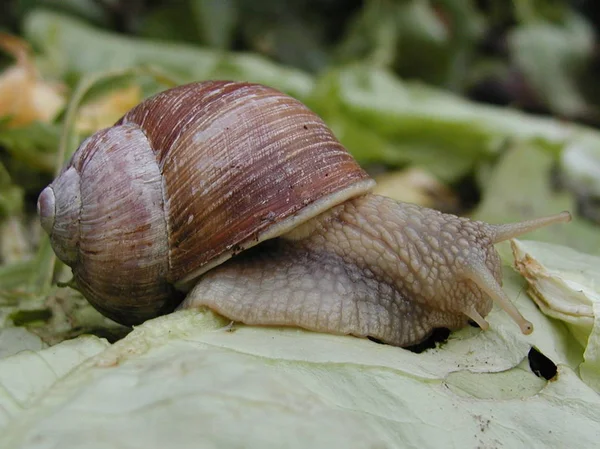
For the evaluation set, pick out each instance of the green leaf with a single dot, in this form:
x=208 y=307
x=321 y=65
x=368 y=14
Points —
x=425 y=40
x=89 y=10
x=170 y=22
x=382 y=118
x=33 y=145
x=551 y=57
x=413 y=123
x=27 y=375
x=519 y=187
x=215 y=21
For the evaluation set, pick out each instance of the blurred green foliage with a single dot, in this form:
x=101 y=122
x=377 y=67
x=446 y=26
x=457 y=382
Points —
x=537 y=54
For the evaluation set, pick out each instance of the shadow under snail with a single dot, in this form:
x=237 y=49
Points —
x=152 y=211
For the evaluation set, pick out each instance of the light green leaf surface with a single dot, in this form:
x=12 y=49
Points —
x=17 y=339
x=26 y=376
x=566 y=285
x=204 y=384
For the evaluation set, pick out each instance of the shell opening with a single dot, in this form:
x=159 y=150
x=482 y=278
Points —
x=59 y=207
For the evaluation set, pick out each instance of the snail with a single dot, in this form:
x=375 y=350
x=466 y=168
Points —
x=237 y=197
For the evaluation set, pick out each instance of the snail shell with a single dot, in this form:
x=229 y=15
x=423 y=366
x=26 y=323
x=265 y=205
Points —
x=184 y=181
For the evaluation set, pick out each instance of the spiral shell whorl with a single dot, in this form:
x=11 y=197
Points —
x=122 y=247
x=237 y=158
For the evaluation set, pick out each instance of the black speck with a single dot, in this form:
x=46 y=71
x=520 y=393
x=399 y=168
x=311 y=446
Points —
x=305 y=127
x=541 y=365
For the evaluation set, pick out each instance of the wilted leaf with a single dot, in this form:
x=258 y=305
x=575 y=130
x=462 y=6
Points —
x=381 y=118
x=565 y=284
x=581 y=168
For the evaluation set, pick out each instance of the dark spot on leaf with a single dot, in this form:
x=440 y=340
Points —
x=541 y=365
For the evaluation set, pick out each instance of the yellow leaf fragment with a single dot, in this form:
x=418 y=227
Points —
x=24 y=96
x=105 y=111
x=415 y=185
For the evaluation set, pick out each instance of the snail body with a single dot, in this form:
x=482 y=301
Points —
x=154 y=209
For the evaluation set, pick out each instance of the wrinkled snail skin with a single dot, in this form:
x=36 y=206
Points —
x=156 y=207
x=370 y=267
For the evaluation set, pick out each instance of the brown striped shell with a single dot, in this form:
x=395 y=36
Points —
x=184 y=181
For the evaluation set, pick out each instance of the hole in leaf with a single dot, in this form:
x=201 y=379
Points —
x=541 y=365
